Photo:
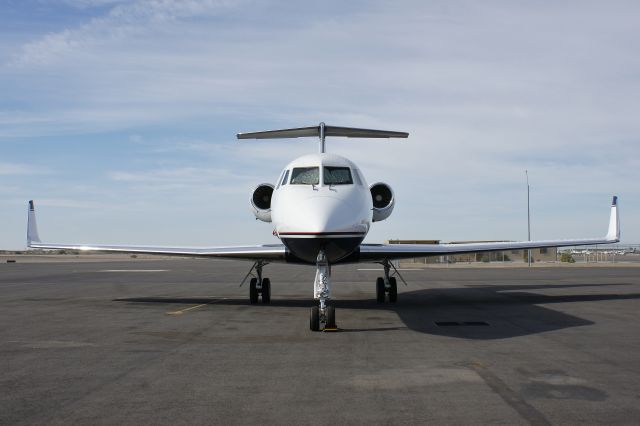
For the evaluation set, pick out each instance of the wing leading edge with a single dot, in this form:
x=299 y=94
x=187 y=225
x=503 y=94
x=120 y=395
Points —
x=379 y=252
x=271 y=252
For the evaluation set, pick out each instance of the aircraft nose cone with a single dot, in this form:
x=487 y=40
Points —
x=322 y=223
x=325 y=215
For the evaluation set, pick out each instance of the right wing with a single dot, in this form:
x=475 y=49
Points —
x=271 y=252
x=380 y=252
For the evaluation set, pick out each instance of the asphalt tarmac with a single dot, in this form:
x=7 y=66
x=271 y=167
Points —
x=176 y=342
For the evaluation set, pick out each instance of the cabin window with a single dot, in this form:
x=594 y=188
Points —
x=305 y=176
x=284 y=179
x=337 y=176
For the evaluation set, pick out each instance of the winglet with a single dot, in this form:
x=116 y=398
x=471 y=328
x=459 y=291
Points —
x=613 y=234
x=32 y=227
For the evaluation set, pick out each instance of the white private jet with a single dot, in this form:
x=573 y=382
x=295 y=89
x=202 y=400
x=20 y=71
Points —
x=321 y=208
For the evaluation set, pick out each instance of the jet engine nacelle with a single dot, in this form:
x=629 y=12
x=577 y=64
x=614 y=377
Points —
x=383 y=201
x=261 y=202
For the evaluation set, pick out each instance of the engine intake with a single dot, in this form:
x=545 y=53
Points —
x=383 y=201
x=261 y=202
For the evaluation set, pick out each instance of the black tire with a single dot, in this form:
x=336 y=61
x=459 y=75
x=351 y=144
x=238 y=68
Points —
x=253 y=291
x=331 y=317
x=393 y=290
x=314 y=319
x=266 y=290
x=380 y=290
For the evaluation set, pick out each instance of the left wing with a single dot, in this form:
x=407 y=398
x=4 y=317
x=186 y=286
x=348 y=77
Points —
x=380 y=252
x=271 y=252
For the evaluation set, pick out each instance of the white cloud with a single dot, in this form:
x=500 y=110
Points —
x=84 y=4
x=122 y=22
x=16 y=169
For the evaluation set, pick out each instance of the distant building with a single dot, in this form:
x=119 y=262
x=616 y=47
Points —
x=549 y=254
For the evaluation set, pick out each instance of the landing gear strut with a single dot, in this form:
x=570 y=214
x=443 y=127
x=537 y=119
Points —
x=322 y=317
x=387 y=285
x=258 y=285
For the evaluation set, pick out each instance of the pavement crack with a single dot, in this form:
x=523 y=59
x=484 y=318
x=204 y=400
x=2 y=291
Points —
x=508 y=395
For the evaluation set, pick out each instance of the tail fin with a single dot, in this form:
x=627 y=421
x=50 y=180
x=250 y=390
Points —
x=321 y=131
x=32 y=226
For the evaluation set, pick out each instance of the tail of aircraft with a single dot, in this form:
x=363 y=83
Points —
x=321 y=131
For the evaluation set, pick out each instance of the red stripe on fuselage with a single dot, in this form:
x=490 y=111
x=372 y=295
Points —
x=320 y=233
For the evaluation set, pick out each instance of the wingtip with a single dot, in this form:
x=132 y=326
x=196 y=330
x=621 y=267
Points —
x=614 y=222
x=32 y=227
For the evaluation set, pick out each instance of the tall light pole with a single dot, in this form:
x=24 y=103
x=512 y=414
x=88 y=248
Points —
x=526 y=172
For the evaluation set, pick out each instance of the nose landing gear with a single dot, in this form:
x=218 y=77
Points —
x=322 y=317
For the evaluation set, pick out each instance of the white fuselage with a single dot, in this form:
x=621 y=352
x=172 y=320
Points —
x=311 y=212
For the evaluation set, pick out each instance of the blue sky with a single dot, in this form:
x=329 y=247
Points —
x=119 y=117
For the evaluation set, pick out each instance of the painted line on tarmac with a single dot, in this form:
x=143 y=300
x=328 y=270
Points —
x=191 y=308
x=134 y=270
x=399 y=269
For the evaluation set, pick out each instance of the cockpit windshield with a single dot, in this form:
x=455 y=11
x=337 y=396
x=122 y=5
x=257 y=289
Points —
x=305 y=176
x=337 y=176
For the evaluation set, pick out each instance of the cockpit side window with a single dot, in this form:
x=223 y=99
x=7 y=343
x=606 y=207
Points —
x=356 y=177
x=337 y=176
x=285 y=178
x=305 y=176
x=279 y=181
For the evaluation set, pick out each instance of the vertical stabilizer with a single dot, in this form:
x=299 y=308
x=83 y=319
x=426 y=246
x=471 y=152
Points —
x=32 y=227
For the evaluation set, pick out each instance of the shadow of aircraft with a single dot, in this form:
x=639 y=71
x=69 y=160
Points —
x=477 y=312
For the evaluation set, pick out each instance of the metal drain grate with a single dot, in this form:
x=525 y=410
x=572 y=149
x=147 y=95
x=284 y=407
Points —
x=460 y=323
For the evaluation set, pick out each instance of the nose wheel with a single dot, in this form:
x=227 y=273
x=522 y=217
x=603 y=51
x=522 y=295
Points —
x=323 y=320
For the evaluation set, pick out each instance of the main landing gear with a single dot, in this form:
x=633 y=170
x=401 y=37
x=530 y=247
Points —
x=258 y=286
x=322 y=317
x=387 y=285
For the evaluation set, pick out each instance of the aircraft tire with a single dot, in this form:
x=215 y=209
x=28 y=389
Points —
x=314 y=319
x=266 y=290
x=380 y=291
x=331 y=317
x=393 y=290
x=253 y=291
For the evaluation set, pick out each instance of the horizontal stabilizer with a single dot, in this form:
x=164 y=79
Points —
x=317 y=131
